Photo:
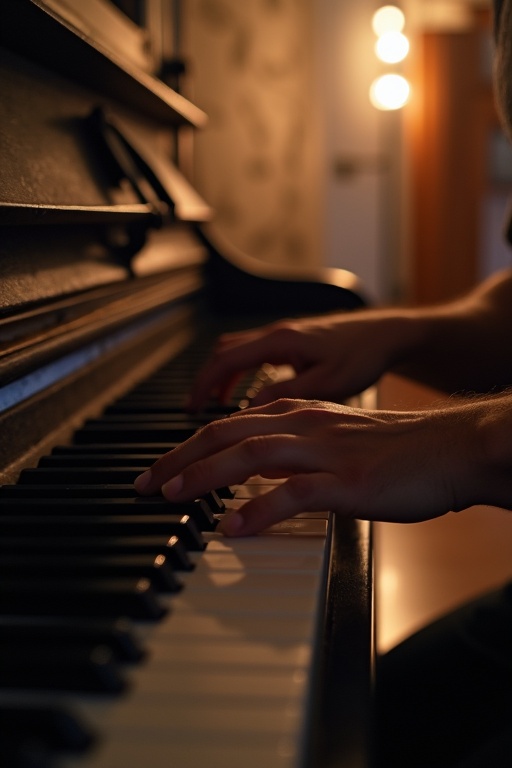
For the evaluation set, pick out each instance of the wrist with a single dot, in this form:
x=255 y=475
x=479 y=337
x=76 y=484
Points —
x=491 y=443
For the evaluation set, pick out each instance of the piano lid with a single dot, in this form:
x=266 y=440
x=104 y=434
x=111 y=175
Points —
x=38 y=31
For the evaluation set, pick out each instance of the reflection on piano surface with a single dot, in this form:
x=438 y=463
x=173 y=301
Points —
x=129 y=630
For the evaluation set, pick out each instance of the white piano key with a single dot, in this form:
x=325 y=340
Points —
x=268 y=543
x=252 y=581
x=219 y=687
x=255 y=604
x=223 y=751
x=229 y=667
x=266 y=654
x=234 y=561
x=211 y=627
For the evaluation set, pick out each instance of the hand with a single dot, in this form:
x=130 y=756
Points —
x=333 y=357
x=378 y=465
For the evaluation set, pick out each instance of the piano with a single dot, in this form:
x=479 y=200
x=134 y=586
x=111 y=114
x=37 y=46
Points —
x=131 y=633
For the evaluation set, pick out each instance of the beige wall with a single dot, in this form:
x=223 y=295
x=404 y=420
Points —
x=256 y=163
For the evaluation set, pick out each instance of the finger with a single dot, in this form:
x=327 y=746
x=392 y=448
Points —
x=233 y=465
x=231 y=361
x=315 y=492
x=310 y=383
x=208 y=440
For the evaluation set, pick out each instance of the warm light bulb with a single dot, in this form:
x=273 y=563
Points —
x=389 y=92
x=389 y=18
x=392 y=47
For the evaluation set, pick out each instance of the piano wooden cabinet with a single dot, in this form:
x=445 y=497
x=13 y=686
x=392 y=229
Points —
x=112 y=277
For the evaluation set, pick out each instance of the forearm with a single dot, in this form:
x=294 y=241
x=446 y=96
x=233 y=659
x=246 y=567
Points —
x=464 y=345
x=495 y=437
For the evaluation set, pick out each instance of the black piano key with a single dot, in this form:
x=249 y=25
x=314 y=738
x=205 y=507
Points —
x=199 y=511
x=58 y=729
x=215 y=502
x=181 y=526
x=81 y=475
x=28 y=754
x=225 y=492
x=66 y=490
x=58 y=667
x=98 y=460
x=151 y=404
x=116 y=635
x=134 y=598
x=157 y=449
x=134 y=433
x=172 y=418
x=28 y=545
x=155 y=568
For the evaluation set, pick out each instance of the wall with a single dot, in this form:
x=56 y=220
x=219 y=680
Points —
x=300 y=168
x=252 y=71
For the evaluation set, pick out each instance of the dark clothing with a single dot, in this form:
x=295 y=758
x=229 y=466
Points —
x=444 y=696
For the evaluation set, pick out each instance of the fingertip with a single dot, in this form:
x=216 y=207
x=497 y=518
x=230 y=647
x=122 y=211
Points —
x=142 y=482
x=231 y=524
x=173 y=486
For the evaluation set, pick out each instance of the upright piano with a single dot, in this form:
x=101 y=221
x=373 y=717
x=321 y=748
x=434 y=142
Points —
x=130 y=632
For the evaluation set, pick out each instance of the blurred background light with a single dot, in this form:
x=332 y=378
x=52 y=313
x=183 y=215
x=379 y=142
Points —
x=389 y=92
x=392 y=47
x=389 y=18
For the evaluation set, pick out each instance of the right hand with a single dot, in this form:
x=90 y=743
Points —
x=333 y=357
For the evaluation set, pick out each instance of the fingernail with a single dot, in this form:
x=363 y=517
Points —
x=231 y=524
x=142 y=481
x=172 y=486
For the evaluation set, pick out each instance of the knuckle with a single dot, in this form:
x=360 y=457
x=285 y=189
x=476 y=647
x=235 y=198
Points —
x=198 y=475
x=301 y=488
x=211 y=434
x=256 y=448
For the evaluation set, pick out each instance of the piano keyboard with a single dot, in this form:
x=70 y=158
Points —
x=135 y=634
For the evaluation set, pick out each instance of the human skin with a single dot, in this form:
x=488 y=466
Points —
x=357 y=463
x=378 y=465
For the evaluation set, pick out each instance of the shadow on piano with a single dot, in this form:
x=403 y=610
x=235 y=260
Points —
x=129 y=631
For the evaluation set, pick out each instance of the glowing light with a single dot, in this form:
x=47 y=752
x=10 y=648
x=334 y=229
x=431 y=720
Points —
x=389 y=18
x=389 y=92
x=392 y=47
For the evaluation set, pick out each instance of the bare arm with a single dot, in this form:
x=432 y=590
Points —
x=462 y=345
x=465 y=345
x=377 y=465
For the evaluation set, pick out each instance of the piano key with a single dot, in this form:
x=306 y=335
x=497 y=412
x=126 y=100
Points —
x=56 y=728
x=65 y=490
x=199 y=510
x=151 y=403
x=142 y=448
x=134 y=598
x=31 y=754
x=60 y=667
x=104 y=491
x=178 y=417
x=98 y=460
x=151 y=431
x=74 y=475
x=117 y=635
x=181 y=526
x=172 y=547
x=154 y=568
x=238 y=653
